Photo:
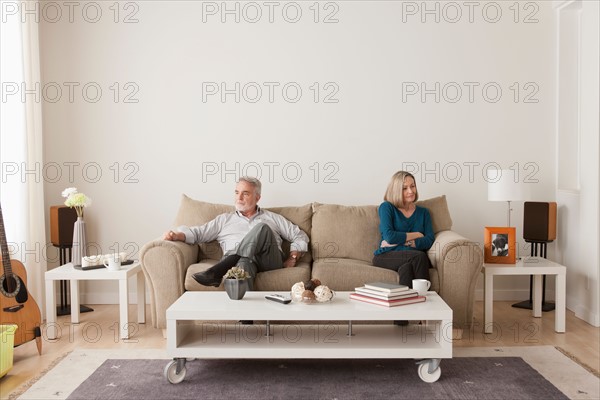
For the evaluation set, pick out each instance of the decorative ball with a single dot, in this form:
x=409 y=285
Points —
x=308 y=295
x=297 y=291
x=309 y=285
x=316 y=282
x=323 y=293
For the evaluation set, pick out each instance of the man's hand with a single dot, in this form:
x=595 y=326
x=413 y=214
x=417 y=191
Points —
x=292 y=259
x=174 y=236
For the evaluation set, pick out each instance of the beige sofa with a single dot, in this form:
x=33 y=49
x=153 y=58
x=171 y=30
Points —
x=343 y=239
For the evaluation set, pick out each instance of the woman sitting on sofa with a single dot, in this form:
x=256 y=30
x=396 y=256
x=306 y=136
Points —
x=406 y=231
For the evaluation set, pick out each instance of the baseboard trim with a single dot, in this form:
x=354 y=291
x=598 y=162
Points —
x=586 y=314
x=512 y=295
x=108 y=298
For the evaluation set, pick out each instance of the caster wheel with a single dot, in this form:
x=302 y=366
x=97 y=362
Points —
x=426 y=376
x=171 y=373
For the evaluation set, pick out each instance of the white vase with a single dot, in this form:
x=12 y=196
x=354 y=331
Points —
x=79 y=241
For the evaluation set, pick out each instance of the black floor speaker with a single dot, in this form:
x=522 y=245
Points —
x=539 y=221
x=539 y=229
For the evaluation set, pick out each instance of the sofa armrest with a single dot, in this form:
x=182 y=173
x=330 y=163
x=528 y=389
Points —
x=459 y=262
x=165 y=264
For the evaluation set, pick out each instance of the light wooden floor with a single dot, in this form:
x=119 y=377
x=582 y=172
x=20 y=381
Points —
x=516 y=327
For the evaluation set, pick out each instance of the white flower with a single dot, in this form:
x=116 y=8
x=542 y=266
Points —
x=76 y=200
x=69 y=191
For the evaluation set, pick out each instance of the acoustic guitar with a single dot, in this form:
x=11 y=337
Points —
x=16 y=306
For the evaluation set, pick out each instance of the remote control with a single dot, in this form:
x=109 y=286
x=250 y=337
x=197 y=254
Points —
x=279 y=298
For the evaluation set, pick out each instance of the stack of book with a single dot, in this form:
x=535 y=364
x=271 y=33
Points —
x=386 y=294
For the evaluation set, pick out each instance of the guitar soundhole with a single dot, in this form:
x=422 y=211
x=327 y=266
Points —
x=9 y=286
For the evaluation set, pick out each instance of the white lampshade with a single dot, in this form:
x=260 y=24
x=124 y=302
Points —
x=503 y=185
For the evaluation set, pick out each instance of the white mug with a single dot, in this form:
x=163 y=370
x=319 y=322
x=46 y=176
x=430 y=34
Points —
x=421 y=286
x=113 y=262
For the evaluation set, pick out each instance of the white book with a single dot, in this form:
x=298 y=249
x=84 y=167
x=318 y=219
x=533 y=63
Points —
x=386 y=287
x=386 y=295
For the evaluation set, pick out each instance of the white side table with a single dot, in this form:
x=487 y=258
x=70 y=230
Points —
x=536 y=266
x=68 y=272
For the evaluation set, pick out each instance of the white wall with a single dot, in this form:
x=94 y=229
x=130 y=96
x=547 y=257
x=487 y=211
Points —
x=170 y=138
x=578 y=162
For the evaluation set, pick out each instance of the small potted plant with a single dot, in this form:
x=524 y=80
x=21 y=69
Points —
x=236 y=283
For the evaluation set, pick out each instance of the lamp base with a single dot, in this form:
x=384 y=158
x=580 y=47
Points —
x=528 y=306
x=66 y=310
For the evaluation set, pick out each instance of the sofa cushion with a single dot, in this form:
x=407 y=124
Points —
x=301 y=216
x=345 y=232
x=346 y=275
x=343 y=274
x=276 y=280
x=194 y=212
x=438 y=209
x=353 y=231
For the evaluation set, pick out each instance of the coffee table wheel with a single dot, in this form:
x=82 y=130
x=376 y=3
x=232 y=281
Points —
x=175 y=370
x=428 y=371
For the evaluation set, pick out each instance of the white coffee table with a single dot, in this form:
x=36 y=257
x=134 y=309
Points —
x=223 y=338
x=536 y=266
x=68 y=272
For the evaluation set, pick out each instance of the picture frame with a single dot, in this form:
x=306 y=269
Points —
x=500 y=244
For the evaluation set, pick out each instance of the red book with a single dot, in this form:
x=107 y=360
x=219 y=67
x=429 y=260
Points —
x=388 y=303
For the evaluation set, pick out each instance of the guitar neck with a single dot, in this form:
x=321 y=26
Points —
x=4 y=245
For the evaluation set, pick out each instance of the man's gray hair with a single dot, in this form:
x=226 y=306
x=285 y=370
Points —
x=253 y=181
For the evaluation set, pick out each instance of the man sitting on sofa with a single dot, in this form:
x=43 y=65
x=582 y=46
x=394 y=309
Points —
x=250 y=237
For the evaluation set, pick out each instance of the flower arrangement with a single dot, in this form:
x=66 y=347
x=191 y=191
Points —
x=238 y=273
x=76 y=200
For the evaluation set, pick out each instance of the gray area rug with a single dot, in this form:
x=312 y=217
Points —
x=462 y=378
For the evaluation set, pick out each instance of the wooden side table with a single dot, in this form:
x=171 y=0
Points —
x=536 y=267
x=69 y=273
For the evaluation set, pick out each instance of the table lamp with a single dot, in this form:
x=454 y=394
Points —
x=505 y=185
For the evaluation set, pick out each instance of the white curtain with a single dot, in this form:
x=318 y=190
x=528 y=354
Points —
x=21 y=150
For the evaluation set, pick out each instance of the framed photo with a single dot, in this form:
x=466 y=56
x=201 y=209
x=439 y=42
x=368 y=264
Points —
x=500 y=245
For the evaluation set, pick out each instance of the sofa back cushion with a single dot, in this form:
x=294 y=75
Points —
x=194 y=212
x=353 y=231
x=438 y=209
x=345 y=231
x=301 y=216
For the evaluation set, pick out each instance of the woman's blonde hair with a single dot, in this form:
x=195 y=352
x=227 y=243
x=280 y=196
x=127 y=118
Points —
x=394 y=191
